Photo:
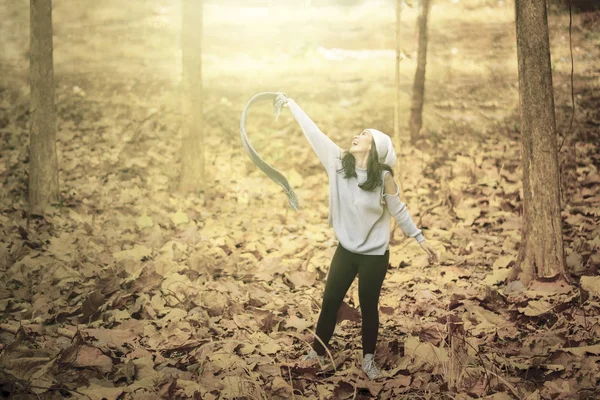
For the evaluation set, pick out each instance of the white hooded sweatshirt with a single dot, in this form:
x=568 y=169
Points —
x=360 y=219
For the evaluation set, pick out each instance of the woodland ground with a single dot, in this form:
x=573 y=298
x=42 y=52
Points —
x=131 y=290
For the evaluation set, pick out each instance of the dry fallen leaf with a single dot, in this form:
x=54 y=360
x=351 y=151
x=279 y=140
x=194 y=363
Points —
x=424 y=351
x=535 y=308
x=591 y=284
x=179 y=218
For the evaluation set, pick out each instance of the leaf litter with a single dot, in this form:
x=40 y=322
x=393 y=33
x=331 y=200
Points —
x=128 y=290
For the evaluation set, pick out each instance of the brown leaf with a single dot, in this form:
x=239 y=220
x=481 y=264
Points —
x=591 y=284
x=427 y=352
x=246 y=349
x=190 y=235
x=400 y=381
x=234 y=387
x=467 y=213
x=124 y=371
x=503 y=262
x=245 y=321
x=90 y=307
x=535 y=308
x=583 y=350
x=87 y=356
x=432 y=333
x=144 y=369
x=271 y=347
x=138 y=252
x=214 y=302
x=425 y=296
x=266 y=320
x=484 y=315
x=268 y=267
x=298 y=323
x=498 y=275
x=97 y=392
x=325 y=391
x=112 y=338
x=347 y=312
x=500 y=396
x=574 y=260
x=343 y=390
x=62 y=247
x=258 y=297
x=25 y=364
x=300 y=278
x=552 y=288
x=534 y=396
x=281 y=387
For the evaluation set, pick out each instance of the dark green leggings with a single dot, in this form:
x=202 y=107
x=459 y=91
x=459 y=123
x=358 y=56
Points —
x=345 y=265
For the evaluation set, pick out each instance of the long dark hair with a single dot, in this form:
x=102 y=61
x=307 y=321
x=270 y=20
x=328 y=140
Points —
x=374 y=169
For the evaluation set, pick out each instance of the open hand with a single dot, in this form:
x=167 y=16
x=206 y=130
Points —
x=431 y=253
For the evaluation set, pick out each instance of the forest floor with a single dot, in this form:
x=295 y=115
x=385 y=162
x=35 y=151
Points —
x=129 y=290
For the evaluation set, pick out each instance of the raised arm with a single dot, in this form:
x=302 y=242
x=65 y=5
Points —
x=398 y=209
x=322 y=145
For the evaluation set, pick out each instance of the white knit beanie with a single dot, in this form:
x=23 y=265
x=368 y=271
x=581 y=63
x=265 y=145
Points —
x=385 y=149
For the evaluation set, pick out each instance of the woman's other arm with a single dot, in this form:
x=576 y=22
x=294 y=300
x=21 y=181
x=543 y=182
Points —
x=398 y=209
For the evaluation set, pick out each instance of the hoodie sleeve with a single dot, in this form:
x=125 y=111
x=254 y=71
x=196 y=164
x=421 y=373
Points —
x=400 y=213
x=321 y=144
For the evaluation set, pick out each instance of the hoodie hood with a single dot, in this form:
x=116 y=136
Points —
x=384 y=147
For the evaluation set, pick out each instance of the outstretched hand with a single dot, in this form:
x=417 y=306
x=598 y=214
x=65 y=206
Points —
x=279 y=102
x=282 y=98
x=431 y=253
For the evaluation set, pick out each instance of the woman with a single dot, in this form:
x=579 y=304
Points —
x=362 y=197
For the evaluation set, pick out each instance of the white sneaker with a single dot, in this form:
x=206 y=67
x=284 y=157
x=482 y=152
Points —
x=369 y=367
x=312 y=355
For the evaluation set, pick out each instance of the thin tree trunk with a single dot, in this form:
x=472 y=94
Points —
x=43 y=161
x=397 y=108
x=398 y=58
x=418 y=93
x=193 y=157
x=541 y=254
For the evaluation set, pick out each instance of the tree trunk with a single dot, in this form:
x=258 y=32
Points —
x=397 y=109
x=541 y=253
x=398 y=58
x=192 y=151
x=43 y=162
x=418 y=94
